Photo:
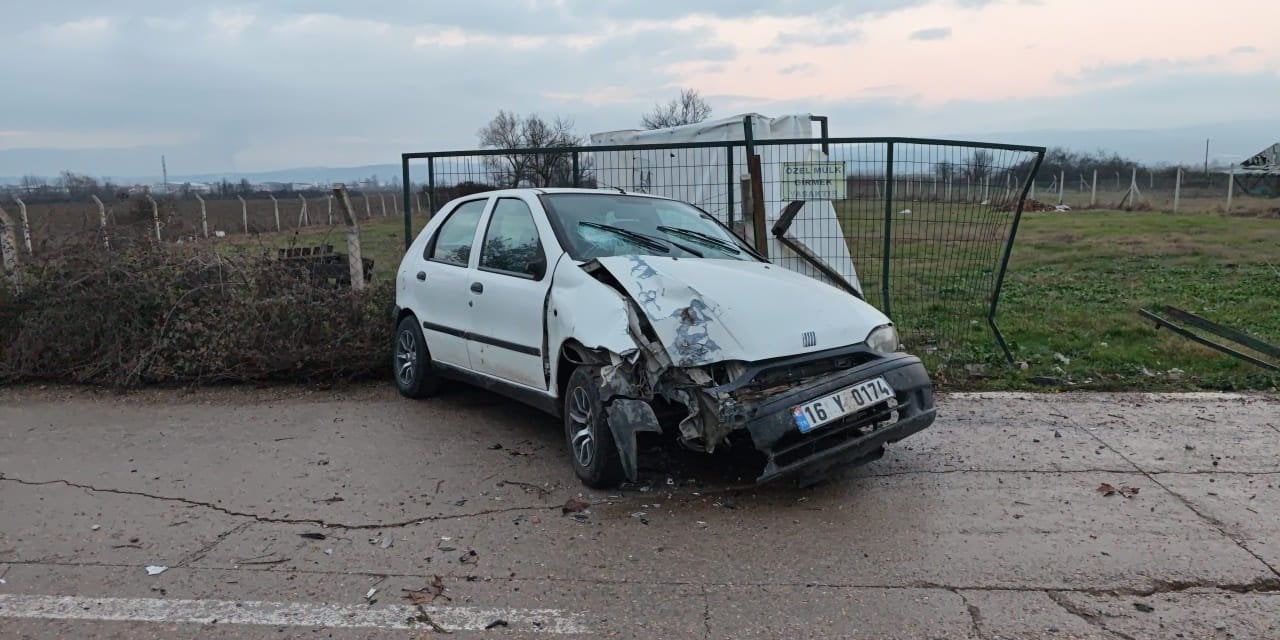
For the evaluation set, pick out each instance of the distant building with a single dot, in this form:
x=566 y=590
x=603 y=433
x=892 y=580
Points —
x=1260 y=174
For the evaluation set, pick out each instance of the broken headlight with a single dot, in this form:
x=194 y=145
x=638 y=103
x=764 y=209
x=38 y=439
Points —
x=883 y=339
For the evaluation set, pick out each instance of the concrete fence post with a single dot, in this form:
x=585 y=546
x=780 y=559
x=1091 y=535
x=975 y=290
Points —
x=354 y=261
x=9 y=250
x=1231 y=188
x=303 y=219
x=1177 y=190
x=1093 y=197
x=1062 y=183
x=102 y=222
x=330 y=200
x=155 y=216
x=275 y=205
x=204 y=217
x=244 y=214
x=26 y=224
x=368 y=213
x=383 y=201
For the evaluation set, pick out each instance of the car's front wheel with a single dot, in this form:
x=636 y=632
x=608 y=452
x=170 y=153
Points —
x=411 y=361
x=592 y=452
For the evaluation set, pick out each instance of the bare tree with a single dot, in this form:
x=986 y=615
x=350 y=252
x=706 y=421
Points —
x=979 y=166
x=512 y=131
x=689 y=108
x=78 y=185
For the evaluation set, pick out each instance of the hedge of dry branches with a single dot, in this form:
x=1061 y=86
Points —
x=150 y=313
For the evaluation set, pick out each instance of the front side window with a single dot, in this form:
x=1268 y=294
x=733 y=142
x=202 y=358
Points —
x=511 y=243
x=453 y=241
x=593 y=225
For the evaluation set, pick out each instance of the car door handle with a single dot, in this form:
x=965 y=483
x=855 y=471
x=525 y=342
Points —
x=477 y=287
x=422 y=275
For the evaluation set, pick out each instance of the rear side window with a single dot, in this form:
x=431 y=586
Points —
x=511 y=244
x=453 y=241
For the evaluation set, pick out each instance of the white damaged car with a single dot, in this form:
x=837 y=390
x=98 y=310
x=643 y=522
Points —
x=625 y=313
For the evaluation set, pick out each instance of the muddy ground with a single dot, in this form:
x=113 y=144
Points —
x=304 y=513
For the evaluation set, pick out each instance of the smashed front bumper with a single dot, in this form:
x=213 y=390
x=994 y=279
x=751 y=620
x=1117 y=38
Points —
x=854 y=439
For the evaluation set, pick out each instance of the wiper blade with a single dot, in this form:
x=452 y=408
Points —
x=703 y=238
x=648 y=242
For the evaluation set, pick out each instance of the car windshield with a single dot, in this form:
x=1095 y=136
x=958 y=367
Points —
x=592 y=225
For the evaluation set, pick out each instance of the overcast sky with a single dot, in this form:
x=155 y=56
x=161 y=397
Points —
x=241 y=86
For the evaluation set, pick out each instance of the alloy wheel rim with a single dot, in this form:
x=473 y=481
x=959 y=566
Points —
x=582 y=442
x=406 y=357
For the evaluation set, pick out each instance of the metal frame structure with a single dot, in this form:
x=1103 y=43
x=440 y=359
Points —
x=752 y=146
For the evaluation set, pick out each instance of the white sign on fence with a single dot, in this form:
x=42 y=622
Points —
x=813 y=181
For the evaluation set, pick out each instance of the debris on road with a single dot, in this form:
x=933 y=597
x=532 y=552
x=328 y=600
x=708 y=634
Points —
x=313 y=536
x=1143 y=607
x=470 y=557
x=495 y=624
x=527 y=486
x=95 y=527
x=427 y=594
x=387 y=541
x=1108 y=490
x=574 y=505
x=369 y=595
x=156 y=569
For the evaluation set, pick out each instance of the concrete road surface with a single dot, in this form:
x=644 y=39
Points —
x=291 y=513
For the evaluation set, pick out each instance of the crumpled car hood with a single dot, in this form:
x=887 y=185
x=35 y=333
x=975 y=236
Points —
x=706 y=311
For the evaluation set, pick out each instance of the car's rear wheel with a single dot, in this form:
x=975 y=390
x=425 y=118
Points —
x=592 y=452
x=411 y=361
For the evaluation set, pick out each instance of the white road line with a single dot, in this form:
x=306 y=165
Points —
x=296 y=614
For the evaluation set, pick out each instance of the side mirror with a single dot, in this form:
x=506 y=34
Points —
x=538 y=267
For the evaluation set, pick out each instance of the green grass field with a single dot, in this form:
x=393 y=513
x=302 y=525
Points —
x=1070 y=303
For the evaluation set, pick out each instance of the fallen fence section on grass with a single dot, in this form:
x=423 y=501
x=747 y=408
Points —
x=1219 y=330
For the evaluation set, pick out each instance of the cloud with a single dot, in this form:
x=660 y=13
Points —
x=933 y=33
x=247 y=85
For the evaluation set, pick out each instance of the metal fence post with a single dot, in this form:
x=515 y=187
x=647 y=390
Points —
x=1004 y=261
x=431 y=187
x=730 y=183
x=408 y=206
x=577 y=177
x=888 y=229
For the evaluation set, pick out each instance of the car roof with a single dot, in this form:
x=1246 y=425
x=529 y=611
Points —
x=551 y=190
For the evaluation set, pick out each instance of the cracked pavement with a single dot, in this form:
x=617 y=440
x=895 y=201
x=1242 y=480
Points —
x=987 y=525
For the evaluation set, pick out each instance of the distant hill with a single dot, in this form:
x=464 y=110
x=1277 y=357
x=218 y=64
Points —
x=1230 y=142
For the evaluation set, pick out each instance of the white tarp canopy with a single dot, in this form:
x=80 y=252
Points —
x=1265 y=161
x=704 y=177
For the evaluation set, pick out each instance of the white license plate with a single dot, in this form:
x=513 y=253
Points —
x=814 y=414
